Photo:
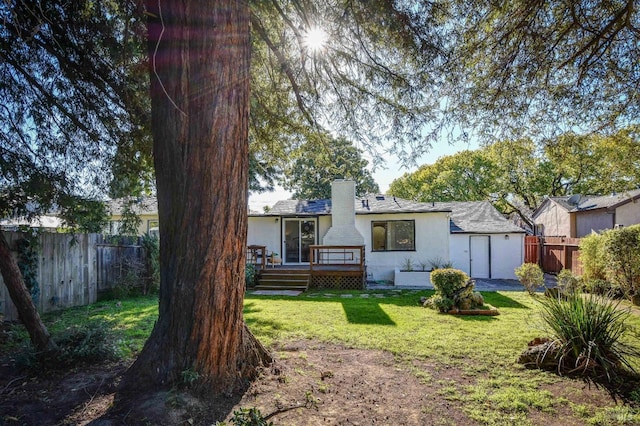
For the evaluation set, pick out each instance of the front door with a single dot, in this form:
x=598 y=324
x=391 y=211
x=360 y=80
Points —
x=299 y=235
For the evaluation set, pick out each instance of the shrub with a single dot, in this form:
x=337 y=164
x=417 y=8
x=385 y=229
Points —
x=82 y=344
x=441 y=303
x=622 y=248
x=250 y=274
x=592 y=257
x=151 y=245
x=91 y=342
x=530 y=276
x=587 y=335
x=448 y=281
x=597 y=286
x=453 y=289
x=407 y=264
x=567 y=282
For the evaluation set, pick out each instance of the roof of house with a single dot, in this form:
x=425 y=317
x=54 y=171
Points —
x=579 y=203
x=466 y=216
x=373 y=204
x=478 y=217
x=140 y=206
x=42 y=221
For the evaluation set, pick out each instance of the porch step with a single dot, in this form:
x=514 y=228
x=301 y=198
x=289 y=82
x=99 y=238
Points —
x=280 y=279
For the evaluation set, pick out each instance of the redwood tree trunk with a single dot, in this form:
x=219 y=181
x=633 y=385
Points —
x=21 y=298
x=199 y=57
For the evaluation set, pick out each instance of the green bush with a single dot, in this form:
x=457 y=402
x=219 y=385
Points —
x=597 y=286
x=87 y=343
x=530 y=276
x=80 y=344
x=587 y=335
x=250 y=274
x=593 y=257
x=567 y=282
x=151 y=245
x=622 y=248
x=453 y=290
x=441 y=303
x=447 y=281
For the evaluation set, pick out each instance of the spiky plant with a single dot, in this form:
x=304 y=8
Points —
x=587 y=334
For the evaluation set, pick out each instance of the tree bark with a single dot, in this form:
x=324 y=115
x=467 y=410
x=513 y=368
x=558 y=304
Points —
x=199 y=58
x=21 y=298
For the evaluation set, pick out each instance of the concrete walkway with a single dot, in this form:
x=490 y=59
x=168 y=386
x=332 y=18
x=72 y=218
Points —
x=481 y=285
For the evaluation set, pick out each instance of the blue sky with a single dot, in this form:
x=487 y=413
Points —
x=383 y=177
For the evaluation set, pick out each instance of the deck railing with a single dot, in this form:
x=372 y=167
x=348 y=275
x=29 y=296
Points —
x=336 y=257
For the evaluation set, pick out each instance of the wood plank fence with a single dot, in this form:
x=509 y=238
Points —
x=554 y=253
x=72 y=269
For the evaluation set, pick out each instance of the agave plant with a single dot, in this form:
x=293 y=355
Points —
x=587 y=335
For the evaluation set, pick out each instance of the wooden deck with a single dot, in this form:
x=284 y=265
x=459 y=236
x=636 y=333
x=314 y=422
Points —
x=339 y=267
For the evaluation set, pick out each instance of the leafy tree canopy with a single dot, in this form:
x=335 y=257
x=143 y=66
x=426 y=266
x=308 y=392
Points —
x=400 y=74
x=317 y=164
x=75 y=110
x=540 y=69
x=516 y=175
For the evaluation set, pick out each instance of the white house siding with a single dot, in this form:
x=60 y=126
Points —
x=324 y=223
x=432 y=242
x=554 y=219
x=628 y=214
x=264 y=231
x=505 y=254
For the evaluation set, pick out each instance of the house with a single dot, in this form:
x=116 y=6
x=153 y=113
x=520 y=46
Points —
x=47 y=223
x=579 y=215
x=146 y=208
x=483 y=243
x=472 y=236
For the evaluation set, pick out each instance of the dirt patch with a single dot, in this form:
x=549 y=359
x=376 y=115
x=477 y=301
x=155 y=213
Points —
x=350 y=387
x=311 y=383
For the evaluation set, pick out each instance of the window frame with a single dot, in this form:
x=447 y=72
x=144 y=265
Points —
x=375 y=223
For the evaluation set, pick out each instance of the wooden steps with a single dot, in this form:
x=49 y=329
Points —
x=283 y=279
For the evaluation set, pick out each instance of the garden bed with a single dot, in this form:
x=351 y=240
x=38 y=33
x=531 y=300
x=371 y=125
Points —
x=412 y=279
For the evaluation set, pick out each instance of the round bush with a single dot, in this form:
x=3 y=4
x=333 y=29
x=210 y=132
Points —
x=530 y=276
x=448 y=281
x=441 y=303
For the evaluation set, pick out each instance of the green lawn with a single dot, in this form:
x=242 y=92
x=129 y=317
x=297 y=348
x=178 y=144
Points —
x=496 y=390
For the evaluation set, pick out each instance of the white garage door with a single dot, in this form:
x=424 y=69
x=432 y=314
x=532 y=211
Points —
x=479 y=256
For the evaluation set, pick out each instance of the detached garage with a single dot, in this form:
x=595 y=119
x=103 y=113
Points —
x=483 y=243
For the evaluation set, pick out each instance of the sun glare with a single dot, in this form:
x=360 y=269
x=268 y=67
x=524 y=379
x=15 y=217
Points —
x=315 y=39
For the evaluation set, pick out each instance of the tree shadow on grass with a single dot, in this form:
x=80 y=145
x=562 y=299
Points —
x=499 y=300
x=366 y=313
x=262 y=327
x=357 y=310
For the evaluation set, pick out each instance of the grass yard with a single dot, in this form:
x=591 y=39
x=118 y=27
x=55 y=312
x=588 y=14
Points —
x=383 y=354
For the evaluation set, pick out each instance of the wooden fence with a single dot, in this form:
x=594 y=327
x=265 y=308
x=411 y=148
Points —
x=115 y=259
x=72 y=269
x=553 y=254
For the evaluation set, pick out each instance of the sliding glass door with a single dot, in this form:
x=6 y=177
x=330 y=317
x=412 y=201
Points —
x=299 y=235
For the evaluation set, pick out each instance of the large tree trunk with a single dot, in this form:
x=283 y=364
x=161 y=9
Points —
x=199 y=57
x=21 y=298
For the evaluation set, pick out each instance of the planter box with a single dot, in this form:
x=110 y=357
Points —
x=412 y=278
